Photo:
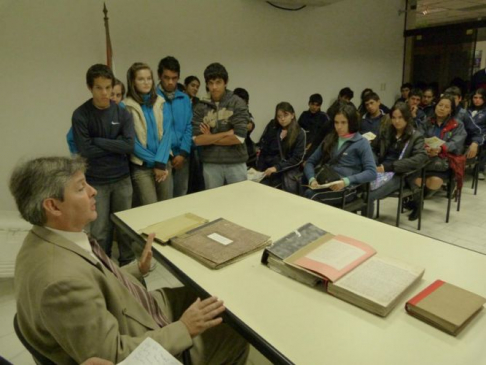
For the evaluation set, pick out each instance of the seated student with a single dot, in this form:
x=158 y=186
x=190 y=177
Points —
x=413 y=101
x=442 y=125
x=405 y=92
x=477 y=111
x=149 y=164
x=315 y=123
x=192 y=85
x=345 y=95
x=428 y=101
x=375 y=119
x=400 y=150
x=361 y=108
x=117 y=95
x=74 y=303
x=282 y=149
x=474 y=134
x=346 y=153
x=250 y=126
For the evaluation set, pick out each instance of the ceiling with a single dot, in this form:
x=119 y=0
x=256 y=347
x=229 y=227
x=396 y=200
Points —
x=437 y=12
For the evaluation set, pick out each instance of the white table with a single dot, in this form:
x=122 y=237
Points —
x=288 y=321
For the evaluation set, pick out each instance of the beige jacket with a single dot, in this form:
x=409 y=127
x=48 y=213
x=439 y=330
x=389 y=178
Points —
x=140 y=123
x=71 y=308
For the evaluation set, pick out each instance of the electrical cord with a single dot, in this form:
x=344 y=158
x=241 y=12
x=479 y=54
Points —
x=287 y=9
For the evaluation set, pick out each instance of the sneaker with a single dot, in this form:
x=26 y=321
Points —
x=481 y=176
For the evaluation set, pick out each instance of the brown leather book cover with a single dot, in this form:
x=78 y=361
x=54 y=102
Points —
x=219 y=243
x=445 y=306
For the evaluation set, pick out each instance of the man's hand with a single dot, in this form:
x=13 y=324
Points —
x=314 y=184
x=432 y=152
x=146 y=257
x=178 y=162
x=160 y=175
x=200 y=316
x=338 y=186
x=472 y=151
x=270 y=170
x=205 y=129
x=380 y=168
x=413 y=110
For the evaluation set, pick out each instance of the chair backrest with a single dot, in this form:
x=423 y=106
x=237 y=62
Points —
x=38 y=357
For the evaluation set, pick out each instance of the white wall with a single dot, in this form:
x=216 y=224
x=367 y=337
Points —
x=47 y=46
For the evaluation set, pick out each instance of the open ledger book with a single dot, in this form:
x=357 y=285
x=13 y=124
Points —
x=351 y=271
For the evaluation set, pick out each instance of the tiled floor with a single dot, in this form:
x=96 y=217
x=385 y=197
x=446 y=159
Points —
x=466 y=228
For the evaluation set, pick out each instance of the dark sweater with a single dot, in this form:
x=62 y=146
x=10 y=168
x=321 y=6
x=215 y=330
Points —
x=104 y=137
x=316 y=127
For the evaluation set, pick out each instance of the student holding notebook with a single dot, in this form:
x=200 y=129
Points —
x=344 y=158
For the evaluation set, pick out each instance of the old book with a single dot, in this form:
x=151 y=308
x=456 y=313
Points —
x=445 y=306
x=433 y=142
x=274 y=255
x=173 y=227
x=331 y=256
x=377 y=284
x=219 y=243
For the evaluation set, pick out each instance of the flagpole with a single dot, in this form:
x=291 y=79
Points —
x=109 y=51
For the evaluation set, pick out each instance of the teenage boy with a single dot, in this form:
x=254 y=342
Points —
x=220 y=127
x=405 y=92
x=474 y=134
x=315 y=123
x=413 y=101
x=428 y=102
x=374 y=119
x=177 y=117
x=345 y=95
x=104 y=135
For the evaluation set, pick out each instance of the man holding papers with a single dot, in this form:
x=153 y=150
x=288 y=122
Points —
x=74 y=303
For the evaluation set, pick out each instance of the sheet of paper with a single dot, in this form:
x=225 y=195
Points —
x=325 y=186
x=369 y=136
x=220 y=239
x=336 y=254
x=255 y=175
x=434 y=142
x=150 y=352
x=379 y=280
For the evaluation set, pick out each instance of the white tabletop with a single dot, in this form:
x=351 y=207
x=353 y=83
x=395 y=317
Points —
x=311 y=327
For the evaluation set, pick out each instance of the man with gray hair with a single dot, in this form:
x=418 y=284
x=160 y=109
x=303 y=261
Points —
x=74 y=303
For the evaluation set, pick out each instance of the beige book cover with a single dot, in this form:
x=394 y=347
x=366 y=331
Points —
x=173 y=227
x=445 y=306
x=219 y=243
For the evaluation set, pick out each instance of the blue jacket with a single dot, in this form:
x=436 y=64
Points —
x=479 y=119
x=474 y=133
x=178 y=113
x=356 y=163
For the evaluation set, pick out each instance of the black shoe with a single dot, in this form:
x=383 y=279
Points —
x=414 y=215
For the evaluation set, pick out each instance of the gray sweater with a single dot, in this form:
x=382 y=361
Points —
x=230 y=113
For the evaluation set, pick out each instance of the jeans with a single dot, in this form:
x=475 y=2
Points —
x=216 y=175
x=180 y=179
x=112 y=198
x=149 y=191
x=383 y=191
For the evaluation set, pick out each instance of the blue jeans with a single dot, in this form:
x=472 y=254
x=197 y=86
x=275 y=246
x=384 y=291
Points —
x=180 y=179
x=216 y=175
x=112 y=198
x=383 y=191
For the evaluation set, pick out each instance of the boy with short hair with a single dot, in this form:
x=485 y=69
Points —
x=374 y=118
x=177 y=118
x=104 y=135
x=413 y=101
x=405 y=92
x=315 y=123
x=220 y=127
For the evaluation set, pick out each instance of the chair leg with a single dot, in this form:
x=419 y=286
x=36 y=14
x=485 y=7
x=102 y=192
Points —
x=378 y=208
x=458 y=197
x=449 y=200
x=399 y=210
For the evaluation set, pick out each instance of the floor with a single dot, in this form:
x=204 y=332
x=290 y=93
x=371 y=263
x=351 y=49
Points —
x=466 y=228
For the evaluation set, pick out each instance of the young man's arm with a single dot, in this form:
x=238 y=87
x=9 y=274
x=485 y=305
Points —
x=124 y=143
x=202 y=136
x=82 y=139
x=239 y=120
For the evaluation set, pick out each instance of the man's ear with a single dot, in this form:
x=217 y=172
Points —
x=50 y=205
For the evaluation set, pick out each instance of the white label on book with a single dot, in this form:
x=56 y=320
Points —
x=336 y=254
x=150 y=352
x=220 y=239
